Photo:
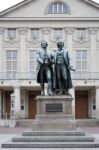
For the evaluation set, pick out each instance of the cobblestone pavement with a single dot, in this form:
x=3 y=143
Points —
x=7 y=133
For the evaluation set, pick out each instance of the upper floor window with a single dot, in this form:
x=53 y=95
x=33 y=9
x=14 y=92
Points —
x=81 y=33
x=81 y=60
x=32 y=60
x=58 y=8
x=11 y=33
x=11 y=60
x=35 y=33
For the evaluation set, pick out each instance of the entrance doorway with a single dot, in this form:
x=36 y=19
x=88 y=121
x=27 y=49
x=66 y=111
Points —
x=81 y=105
x=32 y=103
x=7 y=104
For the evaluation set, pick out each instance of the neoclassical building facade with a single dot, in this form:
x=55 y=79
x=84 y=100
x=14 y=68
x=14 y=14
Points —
x=23 y=27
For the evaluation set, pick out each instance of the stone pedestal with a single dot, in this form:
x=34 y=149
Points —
x=54 y=113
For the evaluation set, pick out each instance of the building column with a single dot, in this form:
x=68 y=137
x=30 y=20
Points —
x=46 y=35
x=0 y=103
x=72 y=92
x=97 y=102
x=1 y=49
x=93 y=32
x=69 y=32
x=23 y=56
x=17 y=101
x=4 y=101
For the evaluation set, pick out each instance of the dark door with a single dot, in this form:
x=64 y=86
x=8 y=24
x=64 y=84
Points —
x=81 y=105
x=33 y=103
x=7 y=104
x=32 y=106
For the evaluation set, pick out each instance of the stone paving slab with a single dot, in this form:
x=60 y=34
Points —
x=11 y=130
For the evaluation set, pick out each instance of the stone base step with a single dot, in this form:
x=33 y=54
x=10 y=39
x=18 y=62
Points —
x=54 y=124
x=51 y=145
x=86 y=122
x=53 y=133
x=53 y=139
x=78 y=122
x=25 y=123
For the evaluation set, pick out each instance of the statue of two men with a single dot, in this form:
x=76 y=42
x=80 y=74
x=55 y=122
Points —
x=54 y=69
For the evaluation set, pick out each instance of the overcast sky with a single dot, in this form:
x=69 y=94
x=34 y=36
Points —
x=4 y=4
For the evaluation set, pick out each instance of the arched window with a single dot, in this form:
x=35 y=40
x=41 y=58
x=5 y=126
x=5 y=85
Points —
x=58 y=8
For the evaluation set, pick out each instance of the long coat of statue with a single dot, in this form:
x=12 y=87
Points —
x=67 y=64
x=40 y=62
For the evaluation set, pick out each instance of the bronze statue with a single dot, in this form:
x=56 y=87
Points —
x=63 y=80
x=44 y=68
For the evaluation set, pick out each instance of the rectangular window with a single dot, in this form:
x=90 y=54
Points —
x=81 y=60
x=35 y=33
x=11 y=61
x=12 y=33
x=58 y=33
x=81 y=33
x=32 y=60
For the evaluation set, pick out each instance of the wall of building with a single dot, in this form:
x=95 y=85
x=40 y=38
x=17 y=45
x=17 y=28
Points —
x=78 y=35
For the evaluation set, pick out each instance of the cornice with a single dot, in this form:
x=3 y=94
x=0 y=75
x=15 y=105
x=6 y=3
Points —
x=50 y=19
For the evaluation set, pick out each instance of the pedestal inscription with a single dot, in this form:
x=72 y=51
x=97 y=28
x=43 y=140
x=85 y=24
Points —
x=54 y=107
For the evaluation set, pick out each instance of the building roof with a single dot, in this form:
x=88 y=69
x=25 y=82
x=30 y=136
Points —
x=25 y=2
x=92 y=3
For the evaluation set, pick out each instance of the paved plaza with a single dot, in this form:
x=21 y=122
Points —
x=7 y=133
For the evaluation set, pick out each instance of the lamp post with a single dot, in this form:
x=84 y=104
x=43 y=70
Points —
x=12 y=104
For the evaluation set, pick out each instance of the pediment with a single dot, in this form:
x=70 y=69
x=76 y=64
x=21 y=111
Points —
x=38 y=9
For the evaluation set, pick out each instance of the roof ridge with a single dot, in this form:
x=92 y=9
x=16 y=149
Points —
x=92 y=2
x=14 y=7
